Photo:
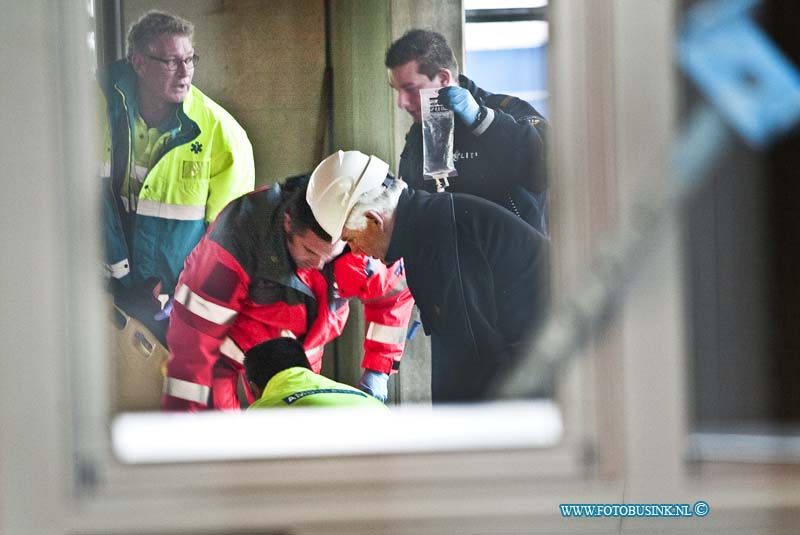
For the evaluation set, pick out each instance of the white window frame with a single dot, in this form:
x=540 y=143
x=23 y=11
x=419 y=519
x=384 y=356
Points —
x=626 y=401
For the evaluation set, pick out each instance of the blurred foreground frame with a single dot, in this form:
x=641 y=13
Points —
x=749 y=85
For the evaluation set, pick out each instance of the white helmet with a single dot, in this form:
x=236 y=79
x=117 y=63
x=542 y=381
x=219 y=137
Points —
x=338 y=182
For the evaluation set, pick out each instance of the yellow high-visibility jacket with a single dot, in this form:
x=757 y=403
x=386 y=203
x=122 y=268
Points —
x=206 y=162
x=300 y=387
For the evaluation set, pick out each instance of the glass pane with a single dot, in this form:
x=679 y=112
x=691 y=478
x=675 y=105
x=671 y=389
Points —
x=510 y=58
x=259 y=87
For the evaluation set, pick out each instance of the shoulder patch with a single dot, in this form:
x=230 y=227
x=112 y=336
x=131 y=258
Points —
x=220 y=283
x=506 y=101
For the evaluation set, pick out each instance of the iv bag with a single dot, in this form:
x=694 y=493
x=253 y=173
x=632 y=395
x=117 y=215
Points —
x=438 y=125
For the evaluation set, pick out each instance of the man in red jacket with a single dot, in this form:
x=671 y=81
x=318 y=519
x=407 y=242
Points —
x=266 y=269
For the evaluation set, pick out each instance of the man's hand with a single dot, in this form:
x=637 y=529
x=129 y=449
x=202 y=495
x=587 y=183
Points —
x=462 y=103
x=374 y=383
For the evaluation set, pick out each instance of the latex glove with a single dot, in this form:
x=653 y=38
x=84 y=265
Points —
x=462 y=103
x=374 y=383
x=159 y=328
x=164 y=313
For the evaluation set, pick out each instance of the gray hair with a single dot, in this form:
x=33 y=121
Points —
x=382 y=200
x=154 y=24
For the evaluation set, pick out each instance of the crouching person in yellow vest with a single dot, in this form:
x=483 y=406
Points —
x=279 y=375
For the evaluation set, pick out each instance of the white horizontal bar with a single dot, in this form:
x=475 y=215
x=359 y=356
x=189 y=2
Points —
x=315 y=432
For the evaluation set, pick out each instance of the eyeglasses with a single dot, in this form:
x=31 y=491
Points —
x=172 y=64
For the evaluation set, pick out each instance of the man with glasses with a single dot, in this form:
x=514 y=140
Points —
x=173 y=159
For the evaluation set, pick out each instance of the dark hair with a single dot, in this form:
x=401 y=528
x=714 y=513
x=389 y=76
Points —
x=268 y=358
x=429 y=49
x=155 y=24
x=295 y=204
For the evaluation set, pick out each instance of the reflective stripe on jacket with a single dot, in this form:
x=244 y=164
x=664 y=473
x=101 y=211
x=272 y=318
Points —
x=239 y=288
x=207 y=162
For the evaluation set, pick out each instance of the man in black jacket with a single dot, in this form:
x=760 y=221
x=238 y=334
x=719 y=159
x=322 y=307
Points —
x=477 y=272
x=498 y=144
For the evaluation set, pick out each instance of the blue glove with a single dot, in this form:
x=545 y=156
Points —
x=374 y=383
x=164 y=313
x=462 y=103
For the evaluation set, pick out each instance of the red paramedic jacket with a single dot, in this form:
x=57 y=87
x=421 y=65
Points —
x=239 y=288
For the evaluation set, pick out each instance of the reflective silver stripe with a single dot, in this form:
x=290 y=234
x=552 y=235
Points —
x=105 y=168
x=177 y=212
x=400 y=286
x=178 y=388
x=140 y=172
x=120 y=269
x=386 y=334
x=205 y=309
x=314 y=350
x=231 y=350
x=486 y=123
